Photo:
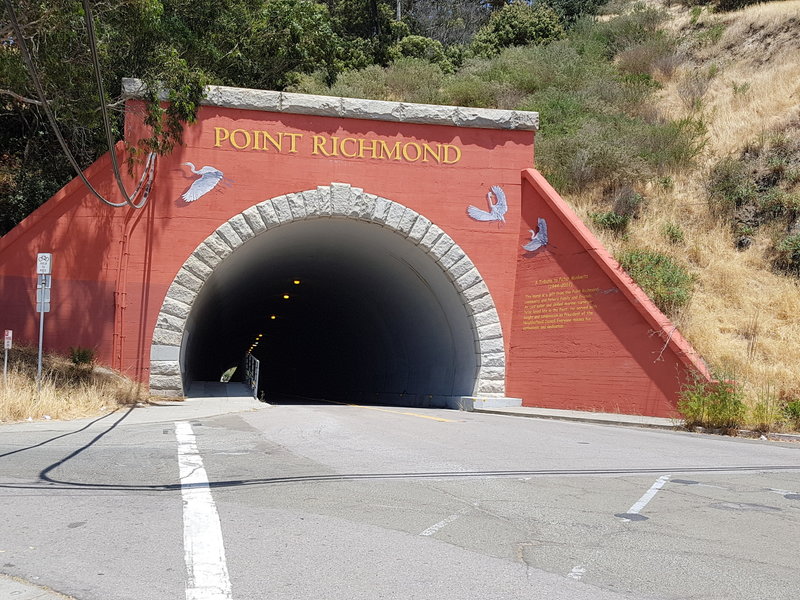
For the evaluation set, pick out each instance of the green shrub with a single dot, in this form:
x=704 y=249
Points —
x=667 y=283
x=792 y=412
x=518 y=24
x=787 y=259
x=716 y=404
x=730 y=186
x=417 y=46
x=673 y=233
x=81 y=356
x=610 y=220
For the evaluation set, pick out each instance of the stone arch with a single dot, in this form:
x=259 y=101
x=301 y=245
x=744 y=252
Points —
x=338 y=200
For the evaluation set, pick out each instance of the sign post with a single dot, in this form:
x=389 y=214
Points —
x=6 y=347
x=44 y=266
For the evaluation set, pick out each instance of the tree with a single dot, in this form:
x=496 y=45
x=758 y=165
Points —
x=518 y=24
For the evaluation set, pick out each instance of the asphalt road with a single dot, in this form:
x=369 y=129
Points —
x=331 y=502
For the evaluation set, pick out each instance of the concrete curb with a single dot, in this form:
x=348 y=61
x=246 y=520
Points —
x=629 y=421
x=17 y=589
x=586 y=417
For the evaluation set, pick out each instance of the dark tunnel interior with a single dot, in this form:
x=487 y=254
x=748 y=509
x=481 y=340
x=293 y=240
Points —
x=372 y=315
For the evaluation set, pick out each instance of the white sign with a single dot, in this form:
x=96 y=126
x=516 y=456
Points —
x=44 y=263
x=7 y=339
x=44 y=281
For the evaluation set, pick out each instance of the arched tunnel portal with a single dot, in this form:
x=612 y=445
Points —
x=340 y=308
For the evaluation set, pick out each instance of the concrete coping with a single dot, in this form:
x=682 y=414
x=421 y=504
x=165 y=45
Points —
x=354 y=108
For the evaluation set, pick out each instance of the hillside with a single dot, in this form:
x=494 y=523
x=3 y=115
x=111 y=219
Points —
x=743 y=317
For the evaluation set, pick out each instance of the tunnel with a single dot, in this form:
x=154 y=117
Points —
x=336 y=309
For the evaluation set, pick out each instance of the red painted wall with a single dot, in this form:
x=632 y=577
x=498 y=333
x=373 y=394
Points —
x=583 y=335
x=112 y=267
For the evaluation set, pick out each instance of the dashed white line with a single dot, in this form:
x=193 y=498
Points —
x=434 y=528
x=644 y=500
x=204 y=552
x=577 y=573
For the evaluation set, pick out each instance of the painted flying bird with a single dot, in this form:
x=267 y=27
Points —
x=497 y=210
x=208 y=180
x=537 y=239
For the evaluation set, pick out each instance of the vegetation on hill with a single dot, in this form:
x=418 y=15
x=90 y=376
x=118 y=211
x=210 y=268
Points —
x=672 y=127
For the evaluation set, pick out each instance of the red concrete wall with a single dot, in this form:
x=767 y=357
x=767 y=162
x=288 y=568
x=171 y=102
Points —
x=583 y=335
x=112 y=267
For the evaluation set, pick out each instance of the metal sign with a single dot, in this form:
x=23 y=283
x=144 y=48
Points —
x=44 y=263
x=7 y=339
x=6 y=348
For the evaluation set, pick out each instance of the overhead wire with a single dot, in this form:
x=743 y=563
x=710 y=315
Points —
x=147 y=177
x=87 y=12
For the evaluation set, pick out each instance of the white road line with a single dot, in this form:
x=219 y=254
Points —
x=207 y=572
x=648 y=495
x=577 y=573
x=434 y=528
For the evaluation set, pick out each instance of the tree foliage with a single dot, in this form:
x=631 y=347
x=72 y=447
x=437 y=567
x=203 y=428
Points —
x=518 y=24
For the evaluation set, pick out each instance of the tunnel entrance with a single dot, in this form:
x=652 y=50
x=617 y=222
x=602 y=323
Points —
x=334 y=308
x=371 y=303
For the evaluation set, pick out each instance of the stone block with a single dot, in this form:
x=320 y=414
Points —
x=490 y=346
x=170 y=322
x=407 y=220
x=297 y=206
x=241 y=227
x=487 y=332
x=440 y=246
x=492 y=374
x=268 y=214
x=305 y=104
x=181 y=294
x=396 y=212
x=310 y=199
x=324 y=195
x=340 y=199
x=220 y=247
x=164 y=352
x=453 y=255
x=167 y=383
x=188 y=280
x=229 y=235
x=491 y=386
x=487 y=317
x=205 y=253
x=493 y=359
x=282 y=210
x=175 y=308
x=164 y=337
x=419 y=229
x=461 y=267
x=198 y=268
x=476 y=291
x=165 y=368
x=480 y=305
x=254 y=219
x=381 y=213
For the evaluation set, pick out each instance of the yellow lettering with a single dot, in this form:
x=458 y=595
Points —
x=446 y=159
x=373 y=148
x=416 y=147
x=220 y=135
x=277 y=144
x=393 y=154
x=319 y=145
x=244 y=133
x=427 y=150
x=345 y=153
x=293 y=143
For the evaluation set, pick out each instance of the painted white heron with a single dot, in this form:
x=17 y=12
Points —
x=497 y=210
x=208 y=180
x=537 y=239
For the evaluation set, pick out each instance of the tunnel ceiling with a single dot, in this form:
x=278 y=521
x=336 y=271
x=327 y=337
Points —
x=372 y=314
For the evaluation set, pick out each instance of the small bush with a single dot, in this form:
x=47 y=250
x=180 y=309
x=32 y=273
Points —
x=611 y=221
x=792 y=412
x=787 y=259
x=730 y=186
x=81 y=356
x=417 y=46
x=716 y=404
x=667 y=283
x=673 y=233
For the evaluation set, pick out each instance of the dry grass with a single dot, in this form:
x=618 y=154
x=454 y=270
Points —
x=67 y=391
